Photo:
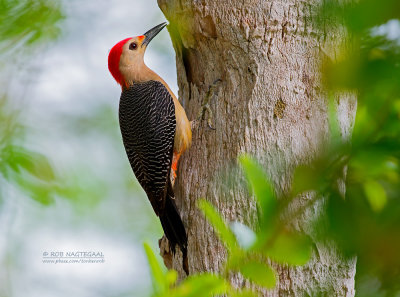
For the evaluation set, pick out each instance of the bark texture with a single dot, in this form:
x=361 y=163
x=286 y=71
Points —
x=270 y=104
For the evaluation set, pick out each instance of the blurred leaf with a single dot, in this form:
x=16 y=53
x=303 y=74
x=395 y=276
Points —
x=204 y=285
x=160 y=283
x=252 y=266
x=171 y=277
x=259 y=273
x=35 y=163
x=336 y=134
x=290 y=248
x=367 y=221
x=363 y=126
x=305 y=179
x=29 y=22
x=25 y=24
x=375 y=194
x=362 y=68
x=358 y=16
x=214 y=218
x=40 y=191
x=374 y=237
x=259 y=185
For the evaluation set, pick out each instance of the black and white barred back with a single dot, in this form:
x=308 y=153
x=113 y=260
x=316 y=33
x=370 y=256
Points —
x=148 y=124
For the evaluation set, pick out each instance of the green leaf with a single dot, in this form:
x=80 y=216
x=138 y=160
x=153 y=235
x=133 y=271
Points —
x=40 y=191
x=160 y=283
x=290 y=248
x=203 y=285
x=171 y=277
x=376 y=195
x=214 y=218
x=305 y=179
x=29 y=22
x=260 y=273
x=334 y=127
x=34 y=163
x=259 y=185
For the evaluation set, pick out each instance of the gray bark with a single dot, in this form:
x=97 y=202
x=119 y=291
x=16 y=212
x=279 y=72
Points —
x=270 y=104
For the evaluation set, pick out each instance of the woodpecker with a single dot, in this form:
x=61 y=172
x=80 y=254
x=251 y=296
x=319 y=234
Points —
x=155 y=131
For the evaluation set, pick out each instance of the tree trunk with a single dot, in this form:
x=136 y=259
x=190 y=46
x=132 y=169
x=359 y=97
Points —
x=271 y=105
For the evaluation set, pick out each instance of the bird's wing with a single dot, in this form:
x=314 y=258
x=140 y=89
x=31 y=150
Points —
x=148 y=123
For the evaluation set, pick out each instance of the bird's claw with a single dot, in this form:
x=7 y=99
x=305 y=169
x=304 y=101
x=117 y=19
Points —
x=173 y=177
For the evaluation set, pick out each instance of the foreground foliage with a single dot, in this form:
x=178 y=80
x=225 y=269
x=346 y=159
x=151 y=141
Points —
x=27 y=26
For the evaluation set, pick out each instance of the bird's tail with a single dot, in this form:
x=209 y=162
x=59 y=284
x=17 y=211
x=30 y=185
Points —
x=173 y=226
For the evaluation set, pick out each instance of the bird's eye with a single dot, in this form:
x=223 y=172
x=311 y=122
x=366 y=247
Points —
x=133 y=46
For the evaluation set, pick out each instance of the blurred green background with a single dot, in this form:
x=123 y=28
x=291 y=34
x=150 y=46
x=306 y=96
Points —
x=65 y=183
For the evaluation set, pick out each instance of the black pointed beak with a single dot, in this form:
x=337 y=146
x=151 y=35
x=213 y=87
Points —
x=149 y=35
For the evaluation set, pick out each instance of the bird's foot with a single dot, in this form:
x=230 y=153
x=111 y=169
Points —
x=173 y=177
x=205 y=108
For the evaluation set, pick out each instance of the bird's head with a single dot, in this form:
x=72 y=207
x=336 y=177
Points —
x=125 y=60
